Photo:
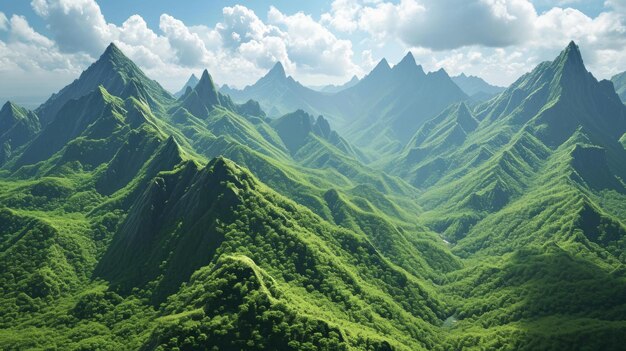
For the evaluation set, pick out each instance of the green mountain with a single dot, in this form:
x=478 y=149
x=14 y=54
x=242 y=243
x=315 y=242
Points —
x=520 y=185
x=378 y=114
x=191 y=83
x=17 y=126
x=203 y=224
x=128 y=81
x=392 y=103
x=619 y=80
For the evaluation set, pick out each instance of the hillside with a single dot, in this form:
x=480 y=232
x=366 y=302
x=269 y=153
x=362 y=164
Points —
x=130 y=220
x=379 y=113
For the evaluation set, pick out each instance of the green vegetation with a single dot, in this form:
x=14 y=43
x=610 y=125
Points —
x=130 y=220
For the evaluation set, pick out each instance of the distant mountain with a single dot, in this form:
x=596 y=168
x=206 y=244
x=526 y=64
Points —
x=619 y=81
x=118 y=75
x=380 y=112
x=279 y=94
x=476 y=88
x=191 y=83
x=390 y=104
x=17 y=126
x=336 y=88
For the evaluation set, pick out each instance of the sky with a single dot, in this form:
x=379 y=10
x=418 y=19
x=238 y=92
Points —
x=45 y=44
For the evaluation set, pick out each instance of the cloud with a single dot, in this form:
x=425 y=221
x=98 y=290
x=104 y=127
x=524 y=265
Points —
x=75 y=25
x=312 y=46
x=189 y=47
x=496 y=39
x=4 y=22
x=343 y=15
x=23 y=32
x=450 y=24
x=241 y=25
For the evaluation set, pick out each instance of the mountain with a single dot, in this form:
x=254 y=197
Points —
x=379 y=113
x=203 y=224
x=392 y=103
x=337 y=88
x=118 y=75
x=619 y=80
x=525 y=183
x=279 y=94
x=476 y=87
x=17 y=126
x=191 y=83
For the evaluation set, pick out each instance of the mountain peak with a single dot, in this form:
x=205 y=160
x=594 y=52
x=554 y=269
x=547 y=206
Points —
x=382 y=65
x=113 y=53
x=277 y=71
x=571 y=55
x=203 y=98
x=205 y=84
x=407 y=59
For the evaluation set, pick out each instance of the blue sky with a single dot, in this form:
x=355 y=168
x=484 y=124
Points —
x=44 y=44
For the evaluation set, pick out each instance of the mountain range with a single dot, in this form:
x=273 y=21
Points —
x=399 y=213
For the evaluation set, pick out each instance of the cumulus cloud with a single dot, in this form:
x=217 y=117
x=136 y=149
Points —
x=312 y=46
x=188 y=45
x=75 y=25
x=438 y=24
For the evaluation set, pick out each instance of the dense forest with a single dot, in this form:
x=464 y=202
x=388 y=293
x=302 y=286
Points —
x=397 y=212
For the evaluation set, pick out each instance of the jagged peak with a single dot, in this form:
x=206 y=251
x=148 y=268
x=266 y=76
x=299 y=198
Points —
x=408 y=59
x=440 y=73
x=112 y=49
x=571 y=56
x=277 y=71
x=382 y=65
x=8 y=106
x=114 y=54
x=206 y=89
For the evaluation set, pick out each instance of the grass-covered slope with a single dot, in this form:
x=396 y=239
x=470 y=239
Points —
x=526 y=188
x=17 y=126
x=127 y=80
x=201 y=224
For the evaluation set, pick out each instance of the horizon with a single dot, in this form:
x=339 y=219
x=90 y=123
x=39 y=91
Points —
x=46 y=45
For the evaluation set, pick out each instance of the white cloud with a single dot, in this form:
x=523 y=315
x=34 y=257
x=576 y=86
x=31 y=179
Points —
x=343 y=15
x=23 y=32
x=75 y=25
x=188 y=45
x=449 y=24
x=312 y=46
x=4 y=22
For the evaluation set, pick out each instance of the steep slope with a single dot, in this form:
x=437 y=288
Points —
x=17 y=126
x=391 y=104
x=118 y=75
x=202 y=217
x=532 y=185
x=296 y=128
x=279 y=94
x=619 y=81
x=191 y=83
